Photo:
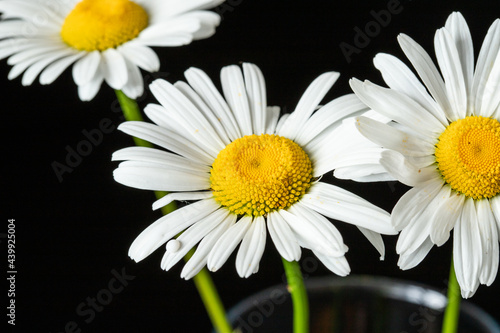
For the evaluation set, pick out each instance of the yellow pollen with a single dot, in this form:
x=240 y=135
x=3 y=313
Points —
x=102 y=24
x=468 y=156
x=257 y=174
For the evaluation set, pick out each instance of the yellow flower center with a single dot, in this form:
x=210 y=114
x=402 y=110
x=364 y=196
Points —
x=255 y=175
x=468 y=156
x=103 y=24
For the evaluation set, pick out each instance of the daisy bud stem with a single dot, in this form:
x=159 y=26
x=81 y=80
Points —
x=452 y=312
x=299 y=296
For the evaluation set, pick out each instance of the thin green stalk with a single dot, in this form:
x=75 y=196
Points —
x=299 y=296
x=212 y=302
x=452 y=312
x=132 y=113
x=202 y=280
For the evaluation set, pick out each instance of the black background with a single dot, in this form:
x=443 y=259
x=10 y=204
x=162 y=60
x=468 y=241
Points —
x=71 y=234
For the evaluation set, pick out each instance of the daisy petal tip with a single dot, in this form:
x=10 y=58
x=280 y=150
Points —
x=156 y=205
x=467 y=293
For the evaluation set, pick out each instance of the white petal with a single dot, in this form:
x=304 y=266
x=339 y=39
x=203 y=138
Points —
x=32 y=72
x=55 y=69
x=281 y=121
x=174 y=32
x=413 y=201
x=457 y=26
x=160 y=157
x=489 y=238
x=337 y=265
x=85 y=68
x=141 y=56
x=134 y=87
x=487 y=56
x=160 y=116
x=114 y=69
x=449 y=62
x=399 y=107
x=467 y=250
x=35 y=52
x=227 y=243
x=203 y=108
x=180 y=7
x=375 y=239
x=401 y=168
x=90 y=89
x=188 y=117
x=252 y=248
x=328 y=116
x=307 y=104
x=272 y=115
x=208 y=22
x=33 y=59
x=165 y=139
x=168 y=226
x=157 y=178
x=323 y=224
x=393 y=138
x=202 y=84
x=342 y=205
x=446 y=216
x=412 y=259
x=199 y=258
x=256 y=93
x=312 y=235
x=495 y=207
x=426 y=70
x=490 y=98
x=234 y=90
x=181 y=196
x=400 y=78
x=190 y=237
x=363 y=173
x=283 y=237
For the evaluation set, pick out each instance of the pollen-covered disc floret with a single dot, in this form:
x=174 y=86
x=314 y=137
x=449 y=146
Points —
x=468 y=156
x=257 y=174
x=103 y=24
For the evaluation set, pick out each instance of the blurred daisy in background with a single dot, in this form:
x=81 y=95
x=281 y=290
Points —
x=248 y=171
x=443 y=139
x=104 y=40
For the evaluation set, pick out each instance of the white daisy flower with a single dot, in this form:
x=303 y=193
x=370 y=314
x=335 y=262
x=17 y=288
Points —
x=249 y=171
x=444 y=141
x=106 y=40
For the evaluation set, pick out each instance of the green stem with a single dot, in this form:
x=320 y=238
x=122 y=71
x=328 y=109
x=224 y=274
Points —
x=452 y=312
x=299 y=296
x=202 y=280
x=132 y=113
x=212 y=302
